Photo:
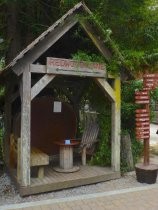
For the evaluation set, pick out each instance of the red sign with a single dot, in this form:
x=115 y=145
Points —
x=146 y=88
x=142 y=97
x=142 y=102
x=150 y=81
x=150 y=85
x=142 y=119
x=142 y=137
x=143 y=125
x=142 y=132
x=142 y=128
x=142 y=115
x=150 y=75
x=141 y=93
x=141 y=111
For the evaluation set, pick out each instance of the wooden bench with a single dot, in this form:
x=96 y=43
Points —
x=38 y=158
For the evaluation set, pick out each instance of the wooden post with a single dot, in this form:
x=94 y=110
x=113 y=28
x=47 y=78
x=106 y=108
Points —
x=114 y=96
x=146 y=143
x=18 y=160
x=84 y=156
x=116 y=127
x=25 y=128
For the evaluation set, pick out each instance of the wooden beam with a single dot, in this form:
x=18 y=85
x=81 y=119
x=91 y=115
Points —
x=76 y=73
x=96 y=40
x=106 y=88
x=25 y=128
x=43 y=45
x=116 y=130
x=45 y=80
x=36 y=68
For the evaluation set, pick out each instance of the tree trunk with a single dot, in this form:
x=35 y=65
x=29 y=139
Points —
x=126 y=151
x=13 y=31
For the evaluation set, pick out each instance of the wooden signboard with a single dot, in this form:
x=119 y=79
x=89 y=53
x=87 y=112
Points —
x=145 y=119
x=150 y=81
x=144 y=125
x=142 y=120
x=142 y=132
x=142 y=101
x=141 y=93
x=146 y=76
x=142 y=115
x=141 y=111
x=142 y=137
x=142 y=97
x=77 y=68
x=146 y=88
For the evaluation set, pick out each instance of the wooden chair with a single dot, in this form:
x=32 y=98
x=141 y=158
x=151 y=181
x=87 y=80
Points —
x=89 y=138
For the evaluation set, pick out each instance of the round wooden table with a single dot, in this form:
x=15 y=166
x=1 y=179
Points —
x=66 y=156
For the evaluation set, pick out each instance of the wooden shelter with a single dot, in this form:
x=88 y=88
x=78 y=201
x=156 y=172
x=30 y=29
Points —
x=20 y=83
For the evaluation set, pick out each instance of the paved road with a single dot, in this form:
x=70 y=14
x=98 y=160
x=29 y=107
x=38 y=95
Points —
x=140 y=198
x=153 y=135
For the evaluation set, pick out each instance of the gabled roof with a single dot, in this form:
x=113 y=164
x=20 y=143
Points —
x=75 y=10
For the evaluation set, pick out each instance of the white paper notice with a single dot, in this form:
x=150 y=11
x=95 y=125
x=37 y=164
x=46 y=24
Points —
x=57 y=106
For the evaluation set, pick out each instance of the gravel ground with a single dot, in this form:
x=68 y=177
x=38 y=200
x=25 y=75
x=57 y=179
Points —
x=9 y=195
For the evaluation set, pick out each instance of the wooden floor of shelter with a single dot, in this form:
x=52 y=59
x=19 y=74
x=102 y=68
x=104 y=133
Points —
x=55 y=181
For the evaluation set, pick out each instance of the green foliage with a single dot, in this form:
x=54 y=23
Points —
x=87 y=56
x=102 y=105
x=2 y=64
x=128 y=108
x=128 y=105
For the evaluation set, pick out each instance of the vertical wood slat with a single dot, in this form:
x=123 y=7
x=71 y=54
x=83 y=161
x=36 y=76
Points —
x=116 y=127
x=25 y=127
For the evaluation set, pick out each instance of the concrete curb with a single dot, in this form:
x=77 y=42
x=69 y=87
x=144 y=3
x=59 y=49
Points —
x=79 y=197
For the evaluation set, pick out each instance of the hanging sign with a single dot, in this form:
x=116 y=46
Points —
x=142 y=119
x=142 y=137
x=150 y=76
x=141 y=111
x=142 y=122
x=142 y=97
x=142 y=115
x=67 y=67
x=142 y=101
x=150 y=81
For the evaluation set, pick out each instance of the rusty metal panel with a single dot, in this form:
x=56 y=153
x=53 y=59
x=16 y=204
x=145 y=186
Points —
x=48 y=126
